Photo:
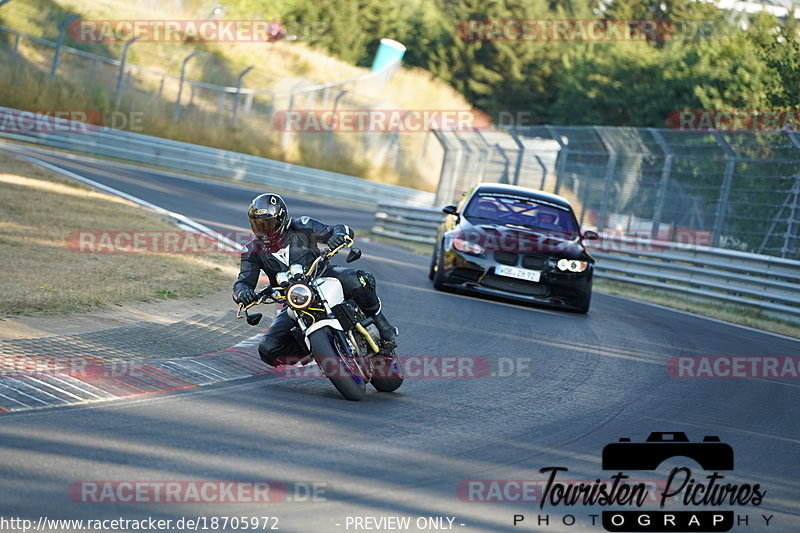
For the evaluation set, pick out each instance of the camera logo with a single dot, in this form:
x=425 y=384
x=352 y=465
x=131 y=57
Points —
x=681 y=486
x=711 y=454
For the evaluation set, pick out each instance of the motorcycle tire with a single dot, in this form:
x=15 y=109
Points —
x=330 y=356
x=387 y=372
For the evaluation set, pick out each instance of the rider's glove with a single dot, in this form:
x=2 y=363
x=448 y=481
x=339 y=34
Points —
x=245 y=296
x=337 y=240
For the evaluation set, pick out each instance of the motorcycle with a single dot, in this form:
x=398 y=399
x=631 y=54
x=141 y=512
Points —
x=332 y=331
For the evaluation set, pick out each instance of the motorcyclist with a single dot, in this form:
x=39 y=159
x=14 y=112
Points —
x=281 y=241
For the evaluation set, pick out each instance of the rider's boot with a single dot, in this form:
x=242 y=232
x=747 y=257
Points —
x=387 y=331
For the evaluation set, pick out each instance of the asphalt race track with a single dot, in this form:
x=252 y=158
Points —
x=561 y=387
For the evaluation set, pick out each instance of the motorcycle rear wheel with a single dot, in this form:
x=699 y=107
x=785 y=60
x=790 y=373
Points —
x=387 y=372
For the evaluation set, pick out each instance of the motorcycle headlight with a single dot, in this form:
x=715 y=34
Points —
x=282 y=279
x=572 y=265
x=299 y=296
x=296 y=270
x=465 y=246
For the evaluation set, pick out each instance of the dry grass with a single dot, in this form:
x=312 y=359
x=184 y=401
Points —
x=279 y=66
x=39 y=209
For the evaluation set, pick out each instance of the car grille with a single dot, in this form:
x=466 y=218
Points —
x=519 y=286
x=506 y=258
x=534 y=261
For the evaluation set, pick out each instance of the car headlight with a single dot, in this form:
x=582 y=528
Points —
x=465 y=246
x=299 y=296
x=572 y=265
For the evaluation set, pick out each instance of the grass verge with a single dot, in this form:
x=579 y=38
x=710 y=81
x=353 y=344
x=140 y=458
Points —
x=735 y=314
x=38 y=211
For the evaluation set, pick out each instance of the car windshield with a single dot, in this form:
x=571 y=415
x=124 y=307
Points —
x=519 y=212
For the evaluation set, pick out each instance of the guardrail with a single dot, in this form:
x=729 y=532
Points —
x=716 y=275
x=205 y=161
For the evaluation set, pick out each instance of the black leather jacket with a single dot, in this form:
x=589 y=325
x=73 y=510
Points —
x=303 y=236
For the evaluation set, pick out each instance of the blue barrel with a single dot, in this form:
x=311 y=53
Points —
x=389 y=52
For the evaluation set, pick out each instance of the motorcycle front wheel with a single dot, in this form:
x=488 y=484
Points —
x=331 y=356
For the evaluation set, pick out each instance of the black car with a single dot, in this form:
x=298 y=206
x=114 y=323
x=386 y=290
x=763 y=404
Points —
x=516 y=243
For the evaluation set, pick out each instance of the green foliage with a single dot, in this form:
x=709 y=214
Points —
x=703 y=58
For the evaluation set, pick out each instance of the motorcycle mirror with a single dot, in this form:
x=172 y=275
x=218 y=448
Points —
x=254 y=319
x=353 y=255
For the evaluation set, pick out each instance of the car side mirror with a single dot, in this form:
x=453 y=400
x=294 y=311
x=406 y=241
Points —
x=450 y=210
x=353 y=255
x=590 y=235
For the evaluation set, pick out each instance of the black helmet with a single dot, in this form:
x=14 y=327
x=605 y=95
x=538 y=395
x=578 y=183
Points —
x=269 y=219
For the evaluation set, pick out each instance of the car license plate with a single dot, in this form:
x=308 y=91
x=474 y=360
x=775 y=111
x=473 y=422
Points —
x=519 y=273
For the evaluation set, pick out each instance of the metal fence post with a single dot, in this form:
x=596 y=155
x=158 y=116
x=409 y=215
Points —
x=793 y=220
x=239 y=93
x=544 y=171
x=520 y=154
x=120 y=74
x=62 y=29
x=329 y=137
x=608 y=177
x=15 y=52
x=562 y=154
x=506 y=163
x=180 y=83
x=485 y=152
x=722 y=205
x=285 y=133
x=93 y=71
x=666 y=171
x=451 y=166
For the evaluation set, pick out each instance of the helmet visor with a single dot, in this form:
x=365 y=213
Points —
x=265 y=227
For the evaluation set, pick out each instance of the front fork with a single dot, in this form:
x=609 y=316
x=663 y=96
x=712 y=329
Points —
x=347 y=338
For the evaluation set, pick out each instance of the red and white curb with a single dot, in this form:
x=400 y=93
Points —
x=125 y=379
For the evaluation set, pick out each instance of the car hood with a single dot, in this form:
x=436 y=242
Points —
x=494 y=238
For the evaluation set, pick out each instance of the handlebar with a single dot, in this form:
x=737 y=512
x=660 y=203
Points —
x=327 y=254
x=274 y=293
